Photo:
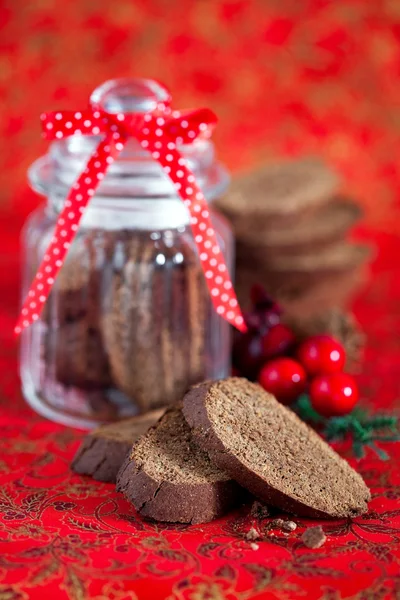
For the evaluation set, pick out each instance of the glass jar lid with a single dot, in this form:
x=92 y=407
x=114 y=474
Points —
x=135 y=174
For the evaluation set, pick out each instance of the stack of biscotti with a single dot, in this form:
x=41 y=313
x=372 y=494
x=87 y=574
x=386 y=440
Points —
x=291 y=222
x=227 y=439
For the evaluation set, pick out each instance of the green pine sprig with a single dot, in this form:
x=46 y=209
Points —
x=364 y=429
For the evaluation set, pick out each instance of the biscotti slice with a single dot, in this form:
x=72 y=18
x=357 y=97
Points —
x=76 y=292
x=336 y=258
x=329 y=292
x=73 y=341
x=301 y=299
x=308 y=268
x=154 y=306
x=75 y=355
x=324 y=226
x=168 y=478
x=266 y=448
x=277 y=192
x=103 y=450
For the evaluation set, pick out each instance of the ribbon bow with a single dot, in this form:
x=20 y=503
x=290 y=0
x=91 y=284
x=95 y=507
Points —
x=159 y=132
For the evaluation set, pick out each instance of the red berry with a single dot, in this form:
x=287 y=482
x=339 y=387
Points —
x=321 y=355
x=278 y=340
x=247 y=354
x=255 y=323
x=284 y=378
x=333 y=395
x=264 y=306
x=261 y=300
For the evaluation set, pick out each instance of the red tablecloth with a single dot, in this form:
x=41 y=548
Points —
x=65 y=536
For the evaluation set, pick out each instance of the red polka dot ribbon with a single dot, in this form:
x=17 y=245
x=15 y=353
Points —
x=159 y=132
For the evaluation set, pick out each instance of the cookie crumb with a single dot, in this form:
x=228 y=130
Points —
x=259 y=511
x=254 y=546
x=289 y=526
x=252 y=534
x=278 y=523
x=314 y=537
x=283 y=525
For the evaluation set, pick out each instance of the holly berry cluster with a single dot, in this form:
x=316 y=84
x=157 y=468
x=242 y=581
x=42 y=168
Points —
x=270 y=353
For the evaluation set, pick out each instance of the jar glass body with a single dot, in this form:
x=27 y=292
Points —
x=129 y=324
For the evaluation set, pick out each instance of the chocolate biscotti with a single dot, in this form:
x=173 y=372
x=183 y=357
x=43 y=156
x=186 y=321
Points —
x=73 y=347
x=302 y=298
x=167 y=477
x=76 y=353
x=337 y=258
x=127 y=318
x=328 y=224
x=266 y=448
x=278 y=193
x=155 y=301
x=103 y=450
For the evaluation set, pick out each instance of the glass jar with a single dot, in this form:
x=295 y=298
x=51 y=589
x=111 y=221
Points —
x=129 y=324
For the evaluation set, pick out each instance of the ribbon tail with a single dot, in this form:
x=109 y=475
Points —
x=66 y=229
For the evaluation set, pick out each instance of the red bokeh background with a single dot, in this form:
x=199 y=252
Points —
x=285 y=77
